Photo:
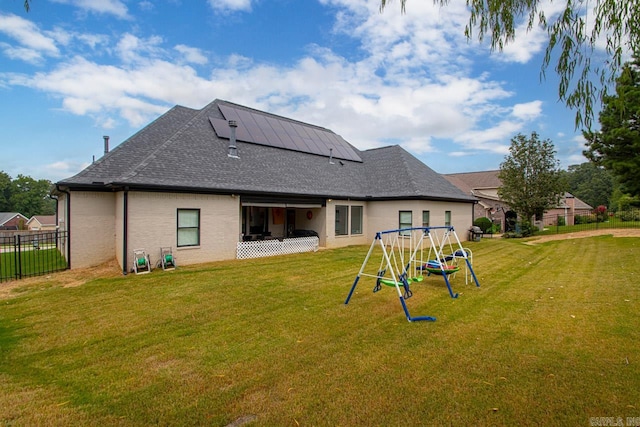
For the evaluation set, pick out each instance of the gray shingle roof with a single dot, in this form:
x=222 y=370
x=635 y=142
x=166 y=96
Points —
x=8 y=216
x=468 y=181
x=180 y=151
x=44 y=219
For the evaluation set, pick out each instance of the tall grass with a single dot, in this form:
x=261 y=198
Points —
x=552 y=337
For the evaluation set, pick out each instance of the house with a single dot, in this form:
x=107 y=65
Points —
x=204 y=181
x=42 y=223
x=568 y=208
x=484 y=186
x=12 y=221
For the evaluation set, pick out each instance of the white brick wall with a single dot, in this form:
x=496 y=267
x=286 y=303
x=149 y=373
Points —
x=92 y=228
x=153 y=224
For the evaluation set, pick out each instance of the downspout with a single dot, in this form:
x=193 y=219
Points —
x=52 y=197
x=68 y=222
x=125 y=218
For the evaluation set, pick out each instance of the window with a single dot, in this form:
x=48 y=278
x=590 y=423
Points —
x=425 y=218
x=342 y=220
x=406 y=220
x=356 y=219
x=188 y=227
x=447 y=218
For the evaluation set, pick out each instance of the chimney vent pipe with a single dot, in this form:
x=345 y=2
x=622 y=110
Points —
x=233 y=150
x=106 y=144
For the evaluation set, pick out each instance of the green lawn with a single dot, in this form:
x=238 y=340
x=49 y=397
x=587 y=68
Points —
x=552 y=337
x=32 y=263
x=612 y=224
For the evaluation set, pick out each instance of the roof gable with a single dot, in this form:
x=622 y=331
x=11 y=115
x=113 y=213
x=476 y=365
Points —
x=393 y=170
x=8 y=216
x=43 y=219
x=469 y=181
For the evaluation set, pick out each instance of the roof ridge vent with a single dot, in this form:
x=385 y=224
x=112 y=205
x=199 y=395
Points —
x=233 y=149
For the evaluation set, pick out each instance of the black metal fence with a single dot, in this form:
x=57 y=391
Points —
x=561 y=223
x=552 y=224
x=32 y=254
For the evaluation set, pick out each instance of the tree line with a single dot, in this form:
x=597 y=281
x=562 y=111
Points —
x=26 y=195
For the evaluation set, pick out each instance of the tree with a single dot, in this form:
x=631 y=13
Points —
x=31 y=197
x=5 y=192
x=590 y=183
x=616 y=146
x=615 y=21
x=530 y=175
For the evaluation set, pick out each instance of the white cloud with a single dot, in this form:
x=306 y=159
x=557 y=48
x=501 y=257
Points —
x=493 y=139
x=110 y=7
x=526 y=45
x=460 y=154
x=230 y=5
x=131 y=48
x=192 y=54
x=527 y=111
x=61 y=169
x=28 y=35
x=530 y=42
x=146 y=5
x=21 y=53
x=94 y=41
x=406 y=87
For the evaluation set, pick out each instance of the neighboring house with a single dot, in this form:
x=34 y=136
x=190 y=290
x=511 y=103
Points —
x=42 y=223
x=568 y=208
x=200 y=181
x=12 y=221
x=484 y=186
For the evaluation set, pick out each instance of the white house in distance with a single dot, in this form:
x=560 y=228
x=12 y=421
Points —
x=42 y=223
x=201 y=181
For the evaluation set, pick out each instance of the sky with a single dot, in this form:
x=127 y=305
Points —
x=72 y=71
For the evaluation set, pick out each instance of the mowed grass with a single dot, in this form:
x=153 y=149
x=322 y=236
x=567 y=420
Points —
x=552 y=337
x=32 y=263
x=612 y=224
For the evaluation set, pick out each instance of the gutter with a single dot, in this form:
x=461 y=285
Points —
x=117 y=186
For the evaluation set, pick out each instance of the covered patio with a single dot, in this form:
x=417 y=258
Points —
x=274 y=226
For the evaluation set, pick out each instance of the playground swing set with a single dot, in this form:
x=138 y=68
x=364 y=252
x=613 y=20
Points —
x=142 y=261
x=408 y=253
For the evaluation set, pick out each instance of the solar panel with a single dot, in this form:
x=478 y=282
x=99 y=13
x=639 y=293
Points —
x=280 y=132
x=265 y=129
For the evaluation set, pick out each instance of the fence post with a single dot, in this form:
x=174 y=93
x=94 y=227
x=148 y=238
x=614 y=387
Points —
x=558 y=224
x=18 y=258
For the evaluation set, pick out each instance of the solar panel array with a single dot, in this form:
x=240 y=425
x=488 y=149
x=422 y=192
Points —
x=279 y=132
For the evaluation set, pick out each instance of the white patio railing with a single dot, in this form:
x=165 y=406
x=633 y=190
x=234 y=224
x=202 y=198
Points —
x=265 y=248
